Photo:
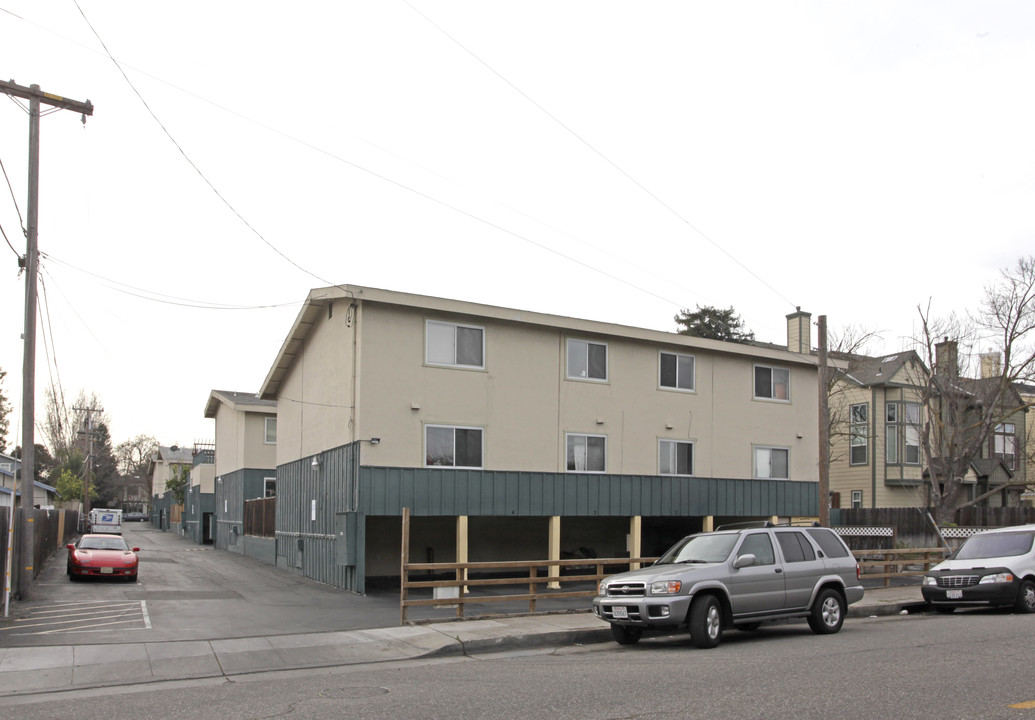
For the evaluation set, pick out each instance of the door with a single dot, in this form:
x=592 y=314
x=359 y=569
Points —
x=801 y=567
x=758 y=588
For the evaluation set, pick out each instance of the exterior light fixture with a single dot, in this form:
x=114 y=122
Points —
x=316 y=463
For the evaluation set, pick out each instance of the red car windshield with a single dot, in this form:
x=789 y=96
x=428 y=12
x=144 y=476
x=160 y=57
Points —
x=102 y=544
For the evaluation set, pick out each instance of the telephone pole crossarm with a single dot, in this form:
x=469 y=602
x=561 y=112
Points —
x=29 y=93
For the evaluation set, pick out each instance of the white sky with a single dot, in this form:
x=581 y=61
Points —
x=604 y=160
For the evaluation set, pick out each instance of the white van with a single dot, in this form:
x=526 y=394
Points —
x=105 y=521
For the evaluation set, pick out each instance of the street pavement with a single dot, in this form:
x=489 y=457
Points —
x=108 y=659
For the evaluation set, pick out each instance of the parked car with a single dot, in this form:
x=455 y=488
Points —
x=991 y=568
x=738 y=576
x=97 y=555
x=136 y=517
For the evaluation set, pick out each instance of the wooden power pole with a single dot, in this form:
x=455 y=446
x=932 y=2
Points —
x=824 y=426
x=36 y=97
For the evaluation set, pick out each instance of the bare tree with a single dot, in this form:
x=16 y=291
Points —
x=960 y=413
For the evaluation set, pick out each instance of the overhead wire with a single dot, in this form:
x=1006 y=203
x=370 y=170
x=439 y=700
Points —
x=600 y=154
x=154 y=296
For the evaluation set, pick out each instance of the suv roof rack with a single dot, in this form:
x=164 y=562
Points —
x=768 y=524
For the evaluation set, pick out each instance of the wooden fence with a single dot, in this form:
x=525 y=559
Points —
x=260 y=517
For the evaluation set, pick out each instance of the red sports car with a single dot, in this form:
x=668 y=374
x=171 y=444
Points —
x=102 y=556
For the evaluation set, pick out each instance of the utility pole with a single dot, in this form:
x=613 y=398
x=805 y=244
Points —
x=35 y=96
x=824 y=426
x=88 y=470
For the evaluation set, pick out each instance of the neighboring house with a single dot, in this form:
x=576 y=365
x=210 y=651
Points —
x=43 y=495
x=1027 y=393
x=199 y=506
x=876 y=459
x=164 y=462
x=246 y=460
x=519 y=435
x=877 y=412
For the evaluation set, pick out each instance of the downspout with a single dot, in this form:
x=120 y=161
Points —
x=353 y=313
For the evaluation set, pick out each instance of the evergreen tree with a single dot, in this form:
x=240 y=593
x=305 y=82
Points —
x=713 y=323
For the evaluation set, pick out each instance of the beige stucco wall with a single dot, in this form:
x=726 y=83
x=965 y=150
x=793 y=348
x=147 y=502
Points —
x=526 y=405
x=240 y=438
x=205 y=476
x=314 y=407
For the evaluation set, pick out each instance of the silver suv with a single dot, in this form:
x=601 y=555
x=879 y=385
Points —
x=737 y=576
x=992 y=568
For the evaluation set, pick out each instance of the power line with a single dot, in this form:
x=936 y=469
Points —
x=597 y=152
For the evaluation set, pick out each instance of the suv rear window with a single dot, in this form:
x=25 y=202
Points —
x=828 y=542
x=995 y=545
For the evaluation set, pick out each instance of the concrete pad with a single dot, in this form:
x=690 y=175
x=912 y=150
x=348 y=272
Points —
x=241 y=645
x=115 y=673
x=403 y=632
x=314 y=640
x=250 y=661
x=176 y=650
x=23 y=681
x=179 y=668
x=17 y=659
x=310 y=656
x=109 y=654
x=373 y=652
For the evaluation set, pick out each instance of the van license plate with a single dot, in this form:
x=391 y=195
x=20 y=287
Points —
x=953 y=594
x=620 y=612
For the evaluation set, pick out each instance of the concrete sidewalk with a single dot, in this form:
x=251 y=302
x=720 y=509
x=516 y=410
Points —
x=27 y=670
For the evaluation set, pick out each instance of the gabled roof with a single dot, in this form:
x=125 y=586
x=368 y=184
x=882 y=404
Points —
x=245 y=402
x=883 y=370
x=318 y=300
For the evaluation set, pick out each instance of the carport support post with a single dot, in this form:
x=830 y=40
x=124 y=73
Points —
x=555 y=550
x=708 y=523
x=462 y=554
x=635 y=541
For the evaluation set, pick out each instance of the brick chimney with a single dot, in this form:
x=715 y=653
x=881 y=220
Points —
x=799 y=332
x=946 y=358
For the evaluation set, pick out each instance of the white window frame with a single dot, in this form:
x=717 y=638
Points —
x=569 y=437
x=454 y=428
x=858 y=433
x=755 y=449
x=1004 y=444
x=772 y=384
x=902 y=432
x=669 y=447
x=857 y=499
x=454 y=326
x=266 y=486
x=266 y=431
x=586 y=343
x=679 y=377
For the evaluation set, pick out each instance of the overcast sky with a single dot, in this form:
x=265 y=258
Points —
x=606 y=160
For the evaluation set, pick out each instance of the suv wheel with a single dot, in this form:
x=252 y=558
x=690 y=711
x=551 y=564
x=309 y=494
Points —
x=706 y=622
x=828 y=613
x=1026 y=597
x=625 y=635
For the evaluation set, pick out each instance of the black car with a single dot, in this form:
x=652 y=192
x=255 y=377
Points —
x=136 y=517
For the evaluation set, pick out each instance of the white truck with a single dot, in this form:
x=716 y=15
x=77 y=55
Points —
x=103 y=520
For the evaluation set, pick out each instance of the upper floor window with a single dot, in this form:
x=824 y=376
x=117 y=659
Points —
x=448 y=446
x=675 y=457
x=677 y=371
x=270 y=437
x=587 y=360
x=587 y=453
x=858 y=433
x=772 y=383
x=902 y=433
x=772 y=462
x=1004 y=444
x=454 y=345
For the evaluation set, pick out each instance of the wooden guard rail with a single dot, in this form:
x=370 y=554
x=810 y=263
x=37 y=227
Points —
x=522 y=573
x=899 y=560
